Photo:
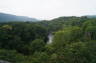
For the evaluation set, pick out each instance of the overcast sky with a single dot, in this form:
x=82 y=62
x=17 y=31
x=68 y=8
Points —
x=48 y=9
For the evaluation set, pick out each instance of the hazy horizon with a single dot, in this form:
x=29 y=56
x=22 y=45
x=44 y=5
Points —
x=48 y=9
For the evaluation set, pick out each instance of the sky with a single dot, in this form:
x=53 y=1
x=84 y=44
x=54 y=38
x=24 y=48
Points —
x=48 y=9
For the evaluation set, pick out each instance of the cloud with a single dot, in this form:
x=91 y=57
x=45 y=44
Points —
x=48 y=9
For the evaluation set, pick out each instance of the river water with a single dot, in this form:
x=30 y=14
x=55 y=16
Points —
x=50 y=38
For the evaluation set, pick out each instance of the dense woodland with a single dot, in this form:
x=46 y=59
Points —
x=26 y=42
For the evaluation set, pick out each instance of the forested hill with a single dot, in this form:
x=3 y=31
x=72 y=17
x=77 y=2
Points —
x=8 y=17
x=62 y=22
x=74 y=41
x=91 y=16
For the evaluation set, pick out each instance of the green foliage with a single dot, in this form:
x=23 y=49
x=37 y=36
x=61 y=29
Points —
x=35 y=46
x=74 y=41
x=89 y=29
x=67 y=36
x=78 y=53
x=40 y=57
x=11 y=56
x=19 y=35
x=63 y=22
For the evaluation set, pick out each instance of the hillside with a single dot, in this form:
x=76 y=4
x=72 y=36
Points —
x=8 y=17
x=73 y=41
x=91 y=16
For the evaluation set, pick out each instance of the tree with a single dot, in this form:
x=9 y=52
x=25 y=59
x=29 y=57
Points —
x=11 y=56
x=35 y=46
x=67 y=36
x=78 y=53
x=89 y=30
x=40 y=57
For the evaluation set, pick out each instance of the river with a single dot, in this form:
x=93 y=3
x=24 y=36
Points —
x=50 y=38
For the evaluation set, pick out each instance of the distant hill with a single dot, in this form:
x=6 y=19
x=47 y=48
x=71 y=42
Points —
x=91 y=16
x=8 y=17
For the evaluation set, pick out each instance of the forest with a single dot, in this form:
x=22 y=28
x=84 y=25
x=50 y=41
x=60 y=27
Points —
x=74 y=41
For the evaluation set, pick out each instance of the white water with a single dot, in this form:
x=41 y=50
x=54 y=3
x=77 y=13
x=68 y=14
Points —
x=50 y=38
